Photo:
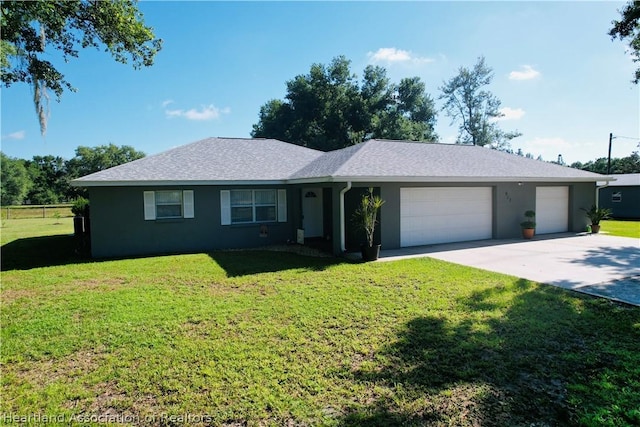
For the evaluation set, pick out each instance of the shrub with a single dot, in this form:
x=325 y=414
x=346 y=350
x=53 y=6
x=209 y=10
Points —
x=80 y=207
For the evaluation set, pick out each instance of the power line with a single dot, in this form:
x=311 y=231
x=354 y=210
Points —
x=626 y=137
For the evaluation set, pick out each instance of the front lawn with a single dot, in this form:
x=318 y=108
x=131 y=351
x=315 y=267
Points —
x=272 y=338
x=621 y=228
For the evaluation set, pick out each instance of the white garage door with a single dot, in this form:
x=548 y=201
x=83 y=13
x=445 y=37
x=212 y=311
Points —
x=442 y=215
x=552 y=210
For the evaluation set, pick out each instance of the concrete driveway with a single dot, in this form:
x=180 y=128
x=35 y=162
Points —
x=595 y=264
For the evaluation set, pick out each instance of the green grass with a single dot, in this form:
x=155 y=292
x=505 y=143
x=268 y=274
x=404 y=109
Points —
x=621 y=228
x=270 y=338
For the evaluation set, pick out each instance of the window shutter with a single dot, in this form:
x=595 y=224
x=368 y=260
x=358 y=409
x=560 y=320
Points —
x=187 y=201
x=149 y=205
x=282 y=205
x=225 y=207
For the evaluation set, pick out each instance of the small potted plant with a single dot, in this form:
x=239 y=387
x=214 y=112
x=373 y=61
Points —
x=596 y=215
x=529 y=225
x=366 y=218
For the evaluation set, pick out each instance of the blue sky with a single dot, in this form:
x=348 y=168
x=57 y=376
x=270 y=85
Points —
x=563 y=83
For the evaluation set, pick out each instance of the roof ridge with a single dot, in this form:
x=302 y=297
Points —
x=356 y=148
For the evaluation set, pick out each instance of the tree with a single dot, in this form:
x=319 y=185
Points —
x=32 y=29
x=467 y=102
x=94 y=159
x=329 y=109
x=630 y=164
x=411 y=114
x=15 y=180
x=89 y=160
x=49 y=177
x=629 y=28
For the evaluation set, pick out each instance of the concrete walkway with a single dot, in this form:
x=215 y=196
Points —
x=596 y=264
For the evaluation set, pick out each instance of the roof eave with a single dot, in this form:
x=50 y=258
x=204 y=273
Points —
x=432 y=179
x=328 y=179
x=167 y=183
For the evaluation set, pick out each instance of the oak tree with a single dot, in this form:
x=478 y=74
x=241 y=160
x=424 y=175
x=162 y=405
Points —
x=15 y=180
x=329 y=108
x=32 y=30
x=628 y=27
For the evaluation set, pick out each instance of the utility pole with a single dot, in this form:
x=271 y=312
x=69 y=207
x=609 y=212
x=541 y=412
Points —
x=609 y=161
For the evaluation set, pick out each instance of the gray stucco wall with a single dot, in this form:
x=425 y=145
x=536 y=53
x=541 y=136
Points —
x=628 y=207
x=118 y=227
x=582 y=195
x=510 y=201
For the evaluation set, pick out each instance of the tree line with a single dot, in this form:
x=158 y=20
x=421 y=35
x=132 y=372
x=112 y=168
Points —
x=46 y=180
x=629 y=164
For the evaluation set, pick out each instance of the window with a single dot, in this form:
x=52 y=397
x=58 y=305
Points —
x=616 y=197
x=168 y=204
x=253 y=206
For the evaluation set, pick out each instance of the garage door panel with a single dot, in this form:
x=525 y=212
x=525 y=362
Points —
x=552 y=209
x=431 y=215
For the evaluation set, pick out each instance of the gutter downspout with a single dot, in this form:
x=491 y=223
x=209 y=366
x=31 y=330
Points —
x=342 y=220
x=598 y=193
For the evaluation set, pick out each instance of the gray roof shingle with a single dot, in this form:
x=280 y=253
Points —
x=212 y=159
x=220 y=160
x=398 y=160
x=626 y=180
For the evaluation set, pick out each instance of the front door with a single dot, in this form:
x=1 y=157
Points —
x=312 y=212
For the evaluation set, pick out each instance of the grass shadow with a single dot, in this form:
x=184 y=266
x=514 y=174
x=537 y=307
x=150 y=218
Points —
x=532 y=365
x=35 y=252
x=247 y=262
x=57 y=250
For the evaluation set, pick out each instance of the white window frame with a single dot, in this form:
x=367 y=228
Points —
x=280 y=206
x=187 y=207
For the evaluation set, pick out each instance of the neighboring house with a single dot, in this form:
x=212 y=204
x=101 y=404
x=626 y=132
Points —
x=223 y=193
x=622 y=196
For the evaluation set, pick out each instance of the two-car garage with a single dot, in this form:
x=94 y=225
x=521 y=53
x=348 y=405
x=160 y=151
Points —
x=432 y=215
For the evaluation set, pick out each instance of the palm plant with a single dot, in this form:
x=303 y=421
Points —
x=596 y=214
x=366 y=216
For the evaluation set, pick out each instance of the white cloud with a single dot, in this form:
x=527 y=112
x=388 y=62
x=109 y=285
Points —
x=209 y=112
x=15 y=135
x=510 y=114
x=391 y=54
x=527 y=73
x=167 y=102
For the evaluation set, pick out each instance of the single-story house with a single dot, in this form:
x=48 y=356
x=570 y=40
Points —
x=222 y=193
x=622 y=196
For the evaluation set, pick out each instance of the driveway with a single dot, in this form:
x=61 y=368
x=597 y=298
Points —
x=595 y=264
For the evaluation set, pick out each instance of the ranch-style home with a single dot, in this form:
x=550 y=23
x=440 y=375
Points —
x=221 y=193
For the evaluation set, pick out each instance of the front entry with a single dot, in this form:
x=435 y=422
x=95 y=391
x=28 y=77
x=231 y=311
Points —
x=312 y=212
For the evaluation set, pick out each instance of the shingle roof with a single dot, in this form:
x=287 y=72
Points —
x=625 y=180
x=228 y=160
x=399 y=160
x=211 y=159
